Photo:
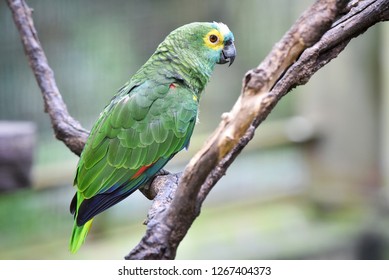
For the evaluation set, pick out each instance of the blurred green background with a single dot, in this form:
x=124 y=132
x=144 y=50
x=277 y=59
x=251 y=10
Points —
x=312 y=184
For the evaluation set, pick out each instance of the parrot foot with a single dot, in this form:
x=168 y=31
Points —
x=147 y=189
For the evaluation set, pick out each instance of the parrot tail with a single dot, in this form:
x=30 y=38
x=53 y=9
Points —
x=78 y=235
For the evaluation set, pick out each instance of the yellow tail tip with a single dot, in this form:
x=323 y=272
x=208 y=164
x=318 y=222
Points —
x=78 y=235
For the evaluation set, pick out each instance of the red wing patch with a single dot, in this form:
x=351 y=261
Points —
x=140 y=171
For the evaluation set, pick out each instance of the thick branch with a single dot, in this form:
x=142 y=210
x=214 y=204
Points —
x=66 y=129
x=233 y=133
x=361 y=15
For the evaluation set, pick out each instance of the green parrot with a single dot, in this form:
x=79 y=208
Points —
x=148 y=121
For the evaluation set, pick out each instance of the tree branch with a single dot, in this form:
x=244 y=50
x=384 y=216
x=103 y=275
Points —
x=360 y=16
x=291 y=62
x=66 y=129
x=177 y=200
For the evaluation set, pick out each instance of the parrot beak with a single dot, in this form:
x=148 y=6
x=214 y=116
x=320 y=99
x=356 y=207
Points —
x=228 y=53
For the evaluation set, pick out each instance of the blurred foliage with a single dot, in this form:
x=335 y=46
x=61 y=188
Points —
x=312 y=200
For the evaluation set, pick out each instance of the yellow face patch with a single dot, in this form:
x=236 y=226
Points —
x=214 y=39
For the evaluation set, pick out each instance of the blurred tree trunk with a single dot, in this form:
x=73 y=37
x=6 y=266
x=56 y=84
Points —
x=347 y=170
x=384 y=105
x=17 y=142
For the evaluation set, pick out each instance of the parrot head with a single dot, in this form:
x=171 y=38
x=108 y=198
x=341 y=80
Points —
x=190 y=53
x=219 y=43
x=204 y=43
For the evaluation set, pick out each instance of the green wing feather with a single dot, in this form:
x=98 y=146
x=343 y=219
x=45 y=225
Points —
x=135 y=130
x=144 y=124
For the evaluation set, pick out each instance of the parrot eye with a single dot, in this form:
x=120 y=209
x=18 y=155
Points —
x=213 y=38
